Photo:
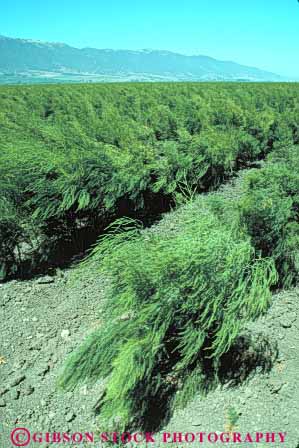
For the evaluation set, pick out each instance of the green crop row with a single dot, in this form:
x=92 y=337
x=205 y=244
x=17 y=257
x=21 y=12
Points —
x=74 y=158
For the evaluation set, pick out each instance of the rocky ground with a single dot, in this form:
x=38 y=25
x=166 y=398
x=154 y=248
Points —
x=42 y=320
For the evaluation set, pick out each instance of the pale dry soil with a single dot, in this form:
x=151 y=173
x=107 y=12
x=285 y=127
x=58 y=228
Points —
x=43 y=320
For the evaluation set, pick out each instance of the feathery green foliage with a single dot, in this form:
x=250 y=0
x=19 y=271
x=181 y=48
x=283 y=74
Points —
x=270 y=211
x=78 y=157
x=178 y=296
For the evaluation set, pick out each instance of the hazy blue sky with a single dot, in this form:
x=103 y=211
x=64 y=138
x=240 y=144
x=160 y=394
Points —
x=262 y=33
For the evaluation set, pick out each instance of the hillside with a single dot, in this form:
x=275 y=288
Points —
x=23 y=61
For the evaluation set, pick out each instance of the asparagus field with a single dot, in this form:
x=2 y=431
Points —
x=85 y=171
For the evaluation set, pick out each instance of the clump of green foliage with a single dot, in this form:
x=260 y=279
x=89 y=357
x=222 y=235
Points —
x=270 y=211
x=178 y=296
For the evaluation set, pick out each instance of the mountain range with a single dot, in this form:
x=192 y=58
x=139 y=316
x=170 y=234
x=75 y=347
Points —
x=29 y=61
